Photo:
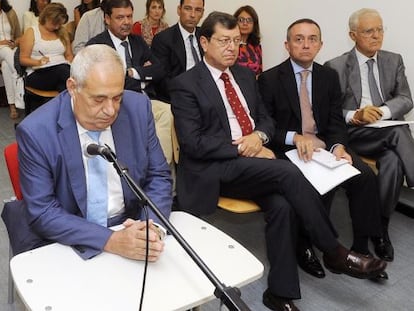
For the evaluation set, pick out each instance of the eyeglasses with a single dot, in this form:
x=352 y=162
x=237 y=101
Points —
x=227 y=41
x=367 y=33
x=311 y=40
x=243 y=20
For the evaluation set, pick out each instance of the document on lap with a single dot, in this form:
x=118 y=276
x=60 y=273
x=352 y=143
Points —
x=327 y=159
x=386 y=123
x=323 y=177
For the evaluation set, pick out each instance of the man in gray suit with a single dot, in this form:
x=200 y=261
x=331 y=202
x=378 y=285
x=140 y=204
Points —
x=374 y=87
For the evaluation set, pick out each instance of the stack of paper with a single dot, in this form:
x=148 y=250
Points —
x=324 y=172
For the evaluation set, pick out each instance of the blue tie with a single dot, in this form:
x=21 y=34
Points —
x=97 y=196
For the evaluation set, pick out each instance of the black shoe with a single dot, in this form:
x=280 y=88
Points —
x=380 y=277
x=277 y=303
x=310 y=263
x=383 y=247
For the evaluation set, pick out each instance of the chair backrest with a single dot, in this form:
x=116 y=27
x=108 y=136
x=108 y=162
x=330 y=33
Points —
x=21 y=70
x=10 y=155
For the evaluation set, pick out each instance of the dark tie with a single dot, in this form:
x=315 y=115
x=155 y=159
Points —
x=128 y=59
x=373 y=88
x=193 y=50
x=236 y=106
x=97 y=192
x=308 y=121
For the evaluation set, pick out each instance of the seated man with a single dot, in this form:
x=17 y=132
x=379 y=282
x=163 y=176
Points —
x=177 y=47
x=90 y=24
x=221 y=126
x=143 y=68
x=374 y=87
x=65 y=202
x=304 y=100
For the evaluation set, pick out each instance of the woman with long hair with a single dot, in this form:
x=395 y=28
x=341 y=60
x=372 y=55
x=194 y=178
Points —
x=83 y=7
x=31 y=17
x=153 y=21
x=46 y=51
x=9 y=38
x=250 y=52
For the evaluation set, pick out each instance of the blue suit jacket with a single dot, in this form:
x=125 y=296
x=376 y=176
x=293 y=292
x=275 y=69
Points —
x=52 y=174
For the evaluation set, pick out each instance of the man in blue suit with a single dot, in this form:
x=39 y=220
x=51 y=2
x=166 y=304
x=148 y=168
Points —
x=53 y=164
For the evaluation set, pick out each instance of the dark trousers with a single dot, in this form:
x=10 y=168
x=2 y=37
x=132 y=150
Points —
x=285 y=197
x=52 y=78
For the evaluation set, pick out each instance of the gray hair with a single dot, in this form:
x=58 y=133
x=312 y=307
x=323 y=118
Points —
x=90 y=56
x=354 y=18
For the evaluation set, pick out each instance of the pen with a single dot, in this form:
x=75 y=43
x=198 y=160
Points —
x=40 y=52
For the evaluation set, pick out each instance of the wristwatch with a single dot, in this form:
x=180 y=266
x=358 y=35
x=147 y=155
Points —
x=263 y=137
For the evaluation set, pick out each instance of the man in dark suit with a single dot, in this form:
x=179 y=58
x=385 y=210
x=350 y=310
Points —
x=54 y=167
x=280 y=88
x=386 y=96
x=222 y=127
x=143 y=70
x=173 y=45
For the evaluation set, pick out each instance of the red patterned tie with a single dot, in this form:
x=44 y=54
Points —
x=236 y=106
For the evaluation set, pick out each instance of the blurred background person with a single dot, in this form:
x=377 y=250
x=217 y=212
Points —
x=31 y=17
x=153 y=21
x=45 y=50
x=9 y=36
x=85 y=6
x=91 y=24
x=250 y=52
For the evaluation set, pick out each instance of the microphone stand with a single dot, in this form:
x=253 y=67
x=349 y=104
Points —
x=229 y=296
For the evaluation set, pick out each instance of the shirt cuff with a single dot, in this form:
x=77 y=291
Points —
x=289 y=138
x=386 y=112
x=349 y=116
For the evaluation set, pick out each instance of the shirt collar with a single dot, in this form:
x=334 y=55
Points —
x=362 y=59
x=184 y=33
x=216 y=73
x=117 y=42
x=297 y=69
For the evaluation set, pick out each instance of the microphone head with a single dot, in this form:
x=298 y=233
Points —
x=93 y=149
x=89 y=151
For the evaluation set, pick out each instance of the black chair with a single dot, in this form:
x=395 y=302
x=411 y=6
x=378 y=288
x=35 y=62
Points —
x=33 y=98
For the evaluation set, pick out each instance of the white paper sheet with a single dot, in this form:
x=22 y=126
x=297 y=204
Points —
x=321 y=177
x=385 y=123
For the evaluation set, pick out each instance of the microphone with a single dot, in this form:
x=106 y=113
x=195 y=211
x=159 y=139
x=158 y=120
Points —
x=95 y=149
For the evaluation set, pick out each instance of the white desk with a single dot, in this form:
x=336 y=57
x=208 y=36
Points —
x=54 y=278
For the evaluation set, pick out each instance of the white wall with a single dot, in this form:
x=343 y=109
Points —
x=276 y=15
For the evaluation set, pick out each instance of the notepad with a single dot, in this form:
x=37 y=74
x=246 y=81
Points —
x=322 y=178
x=327 y=159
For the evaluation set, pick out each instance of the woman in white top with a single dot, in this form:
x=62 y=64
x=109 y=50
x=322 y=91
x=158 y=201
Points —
x=46 y=51
x=31 y=17
x=9 y=37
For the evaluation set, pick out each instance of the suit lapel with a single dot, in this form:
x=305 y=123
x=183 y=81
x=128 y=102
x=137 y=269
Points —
x=124 y=145
x=354 y=76
x=212 y=94
x=72 y=151
x=318 y=84
x=382 y=68
x=288 y=82
x=179 y=46
x=108 y=39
